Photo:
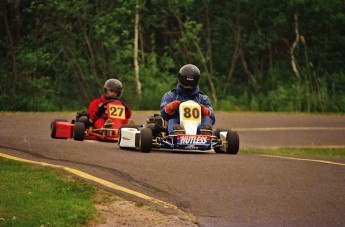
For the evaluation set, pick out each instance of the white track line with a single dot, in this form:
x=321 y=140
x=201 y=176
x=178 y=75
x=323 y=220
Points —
x=304 y=159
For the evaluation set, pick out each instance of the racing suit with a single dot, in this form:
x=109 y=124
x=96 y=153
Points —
x=100 y=120
x=182 y=94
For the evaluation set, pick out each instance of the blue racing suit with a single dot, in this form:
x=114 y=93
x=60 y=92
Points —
x=182 y=94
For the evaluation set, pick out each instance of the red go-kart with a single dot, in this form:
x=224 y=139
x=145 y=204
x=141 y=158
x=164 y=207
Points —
x=82 y=127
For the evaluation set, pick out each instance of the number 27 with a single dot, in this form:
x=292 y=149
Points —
x=117 y=111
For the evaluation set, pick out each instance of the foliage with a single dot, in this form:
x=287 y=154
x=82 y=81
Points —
x=57 y=54
x=43 y=197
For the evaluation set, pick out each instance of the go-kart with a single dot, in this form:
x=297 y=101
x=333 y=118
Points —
x=154 y=135
x=82 y=128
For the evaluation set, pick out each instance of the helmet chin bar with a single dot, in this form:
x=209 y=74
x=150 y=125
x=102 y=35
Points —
x=187 y=87
x=109 y=98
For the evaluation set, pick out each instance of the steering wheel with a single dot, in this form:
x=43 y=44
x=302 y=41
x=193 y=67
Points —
x=106 y=102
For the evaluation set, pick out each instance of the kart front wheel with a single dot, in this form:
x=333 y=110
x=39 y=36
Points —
x=79 y=131
x=146 y=140
x=233 y=141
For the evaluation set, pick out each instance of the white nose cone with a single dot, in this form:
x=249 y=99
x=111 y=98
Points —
x=190 y=116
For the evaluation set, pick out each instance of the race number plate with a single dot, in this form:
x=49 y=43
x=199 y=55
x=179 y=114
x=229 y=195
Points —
x=191 y=113
x=193 y=139
x=116 y=111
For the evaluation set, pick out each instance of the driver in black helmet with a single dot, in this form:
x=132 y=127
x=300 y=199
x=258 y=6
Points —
x=186 y=89
x=112 y=89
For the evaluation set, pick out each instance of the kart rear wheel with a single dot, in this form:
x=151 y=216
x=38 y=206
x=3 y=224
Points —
x=233 y=142
x=79 y=131
x=145 y=140
x=53 y=127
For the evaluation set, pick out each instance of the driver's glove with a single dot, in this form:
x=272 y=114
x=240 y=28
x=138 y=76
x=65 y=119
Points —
x=171 y=107
x=205 y=111
x=101 y=110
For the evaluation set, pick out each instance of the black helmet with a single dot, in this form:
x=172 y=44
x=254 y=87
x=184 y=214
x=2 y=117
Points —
x=189 y=76
x=112 y=84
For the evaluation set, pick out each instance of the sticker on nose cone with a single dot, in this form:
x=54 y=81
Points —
x=193 y=139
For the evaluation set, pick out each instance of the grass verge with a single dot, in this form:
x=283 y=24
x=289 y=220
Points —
x=303 y=152
x=33 y=195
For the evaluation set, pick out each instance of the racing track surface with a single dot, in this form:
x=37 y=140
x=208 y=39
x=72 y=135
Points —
x=218 y=189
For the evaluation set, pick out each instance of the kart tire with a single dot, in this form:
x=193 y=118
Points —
x=85 y=120
x=124 y=126
x=233 y=142
x=79 y=131
x=145 y=140
x=53 y=128
x=217 y=134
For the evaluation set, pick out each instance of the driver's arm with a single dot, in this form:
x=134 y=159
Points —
x=207 y=103
x=167 y=99
x=93 y=107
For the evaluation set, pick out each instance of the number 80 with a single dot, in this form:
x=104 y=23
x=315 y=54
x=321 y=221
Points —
x=191 y=112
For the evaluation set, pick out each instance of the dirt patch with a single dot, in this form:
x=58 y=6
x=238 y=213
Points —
x=113 y=210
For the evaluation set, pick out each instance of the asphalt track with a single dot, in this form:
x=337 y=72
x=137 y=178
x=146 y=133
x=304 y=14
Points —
x=217 y=189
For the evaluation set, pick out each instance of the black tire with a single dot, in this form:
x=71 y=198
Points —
x=53 y=127
x=79 y=131
x=124 y=126
x=145 y=140
x=233 y=142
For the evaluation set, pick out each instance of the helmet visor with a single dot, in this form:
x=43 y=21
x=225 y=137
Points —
x=189 y=81
x=110 y=90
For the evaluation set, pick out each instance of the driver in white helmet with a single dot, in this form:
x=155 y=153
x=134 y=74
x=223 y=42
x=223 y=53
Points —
x=112 y=89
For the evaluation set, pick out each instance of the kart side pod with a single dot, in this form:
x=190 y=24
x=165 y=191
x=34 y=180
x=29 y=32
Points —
x=129 y=138
x=62 y=130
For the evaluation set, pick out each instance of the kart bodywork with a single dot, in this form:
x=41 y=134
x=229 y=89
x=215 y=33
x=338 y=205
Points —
x=153 y=135
x=82 y=127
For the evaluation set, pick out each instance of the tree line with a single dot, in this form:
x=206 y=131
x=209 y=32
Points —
x=253 y=55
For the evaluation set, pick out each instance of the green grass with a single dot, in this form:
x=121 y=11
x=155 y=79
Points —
x=33 y=195
x=303 y=152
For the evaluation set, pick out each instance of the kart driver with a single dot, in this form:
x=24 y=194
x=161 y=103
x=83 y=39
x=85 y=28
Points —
x=186 y=89
x=112 y=90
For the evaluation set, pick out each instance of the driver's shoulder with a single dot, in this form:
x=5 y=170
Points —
x=202 y=95
x=171 y=93
x=96 y=101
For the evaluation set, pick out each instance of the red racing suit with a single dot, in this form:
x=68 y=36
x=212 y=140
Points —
x=99 y=121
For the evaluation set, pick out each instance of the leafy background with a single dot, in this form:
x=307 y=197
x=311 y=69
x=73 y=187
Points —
x=56 y=55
